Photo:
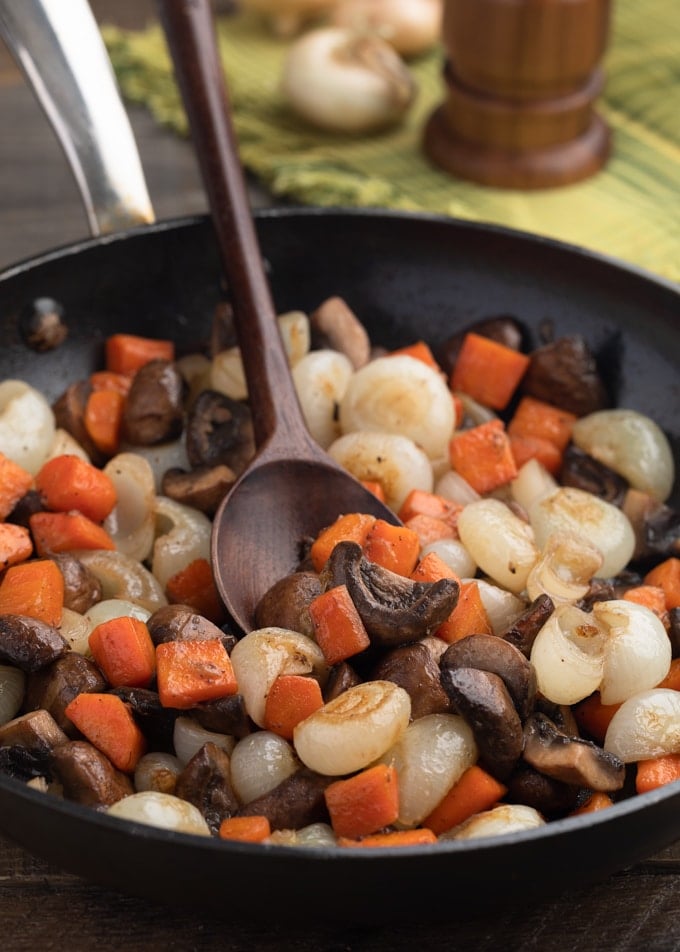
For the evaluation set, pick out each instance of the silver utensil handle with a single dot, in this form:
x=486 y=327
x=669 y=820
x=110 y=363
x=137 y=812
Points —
x=59 y=47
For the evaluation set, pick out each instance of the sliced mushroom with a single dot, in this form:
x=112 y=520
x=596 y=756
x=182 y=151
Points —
x=341 y=677
x=565 y=374
x=414 y=669
x=483 y=700
x=584 y=472
x=226 y=715
x=522 y=632
x=286 y=603
x=37 y=732
x=182 y=623
x=69 y=415
x=203 y=488
x=394 y=609
x=154 y=411
x=29 y=643
x=572 y=760
x=87 y=776
x=54 y=687
x=504 y=330
x=296 y=802
x=552 y=798
x=219 y=431
x=334 y=324
x=205 y=783
x=490 y=653
x=82 y=588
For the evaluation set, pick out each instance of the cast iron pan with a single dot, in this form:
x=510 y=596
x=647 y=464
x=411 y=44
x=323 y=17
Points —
x=407 y=277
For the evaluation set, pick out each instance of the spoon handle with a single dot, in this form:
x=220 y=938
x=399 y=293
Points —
x=190 y=32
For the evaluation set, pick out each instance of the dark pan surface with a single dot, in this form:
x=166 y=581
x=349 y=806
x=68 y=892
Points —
x=407 y=277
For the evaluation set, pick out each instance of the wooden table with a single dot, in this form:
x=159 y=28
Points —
x=44 y=908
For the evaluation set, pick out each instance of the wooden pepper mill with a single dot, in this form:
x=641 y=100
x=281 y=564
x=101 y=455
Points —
x=521 y=79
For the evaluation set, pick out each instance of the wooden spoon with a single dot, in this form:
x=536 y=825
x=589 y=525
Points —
x=292 y=489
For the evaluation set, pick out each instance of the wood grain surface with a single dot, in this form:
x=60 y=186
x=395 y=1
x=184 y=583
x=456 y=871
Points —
x=42 y=908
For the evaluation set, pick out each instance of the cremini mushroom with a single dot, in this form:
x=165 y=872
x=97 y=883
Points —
x=153 y=411
x=286 y=603
x=29 y=643
x=296 y=802
x=394 y=609
x=203 y=488
x=414 y=669
x=572 y=760
x=205 y=782
x=54 y=687
x=219 y=430
x=334 y=324
x=87 y=776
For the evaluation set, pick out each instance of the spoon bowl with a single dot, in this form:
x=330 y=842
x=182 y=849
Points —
x=292 y=489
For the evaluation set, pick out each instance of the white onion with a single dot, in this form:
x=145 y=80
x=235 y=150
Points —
x=76 y=628
x=404 y=396
x=533 y=482
x=353 y=729
x=646 y=725
x=188 y=738
x=393 y=461
x=430 y=756
x=454 y=553
x=637 y=655
x=451 y=485
x=27 y=424
x=321 y=378
x=124 y=578
x=564 y=569
x=64 y=444
x=157 y=771
x=501 y=544
x=131 y=523
x=505 y=818
x=568 y=655
x=262 y=655
x=501 y=606
x=631 y=444
x=12 y=688
x=162 y=810
x=184 y=537
x=574 y=511
x=260 y=762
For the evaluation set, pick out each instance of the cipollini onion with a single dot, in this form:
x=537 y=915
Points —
x=637 y=654
x=411 y=26
x=157 y=771
x=162 y=810
x=646 y=725
x=568 y=655
x=501 y=544
x=344 y=81
x=260 y=762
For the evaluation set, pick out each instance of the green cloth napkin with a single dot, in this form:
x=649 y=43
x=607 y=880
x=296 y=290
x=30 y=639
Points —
x=630 y=210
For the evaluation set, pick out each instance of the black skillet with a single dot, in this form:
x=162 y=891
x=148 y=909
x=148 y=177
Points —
x=407 y=277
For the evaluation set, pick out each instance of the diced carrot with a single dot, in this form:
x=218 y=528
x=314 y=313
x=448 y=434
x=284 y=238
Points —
x=536 y=418
x=55 y=532
x=429 y=529
x=15 y=544
x=596 y=801
x=108 y=380
x=672 y=679
x=291 y=698
x=191 y=671
x=482 y=455
x=469 y=617
x=420 y=351
x=338 y=628
x=593 y=717
x=524 y=448
x=374 y=486
x=487 y=371
x=421 y=503
x=417 y=837
x=431 y=568
x=123 y=649
x=652 y=597
x=393 y=547
x=364 y=803
x=667 y=576
x=103 y=419
x=126 y=353
x=15 y=482
x=245 y=829
x=475 y=791
x=657 y=772
x=34 y=588
x=67 y=483
x=194 y=585
x=108 y=724
x=353 y=527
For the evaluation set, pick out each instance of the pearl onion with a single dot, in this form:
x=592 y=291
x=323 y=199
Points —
x=162 y=810
x=321 y=378
x=501 y=544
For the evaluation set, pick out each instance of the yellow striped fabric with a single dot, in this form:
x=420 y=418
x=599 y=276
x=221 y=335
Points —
x=630 y=210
